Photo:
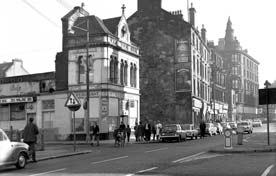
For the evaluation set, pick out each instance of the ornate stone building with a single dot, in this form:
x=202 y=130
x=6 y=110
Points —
x=242 y=77
x=174 y=64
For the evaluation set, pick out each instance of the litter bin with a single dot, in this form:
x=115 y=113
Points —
x=240 y=135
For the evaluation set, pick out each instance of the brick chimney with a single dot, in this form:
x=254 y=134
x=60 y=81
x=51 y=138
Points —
x=192 y=12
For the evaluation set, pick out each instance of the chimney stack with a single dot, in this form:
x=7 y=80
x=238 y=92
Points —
x=192 y=12
x=203 y=33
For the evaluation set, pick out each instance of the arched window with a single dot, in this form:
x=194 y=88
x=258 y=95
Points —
x=115 y=70
x=81 y=69
x=125 y=73
x=131 y=75
x=122 y=73
x=135 y=76
x=111 y=71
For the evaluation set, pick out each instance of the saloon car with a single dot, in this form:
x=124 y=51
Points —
x=172 y=132
x=12 y=153
x=191 y=132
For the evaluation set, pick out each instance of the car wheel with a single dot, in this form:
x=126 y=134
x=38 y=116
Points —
x=21 y=161
x=179 y=139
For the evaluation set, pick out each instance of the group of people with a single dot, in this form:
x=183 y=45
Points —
x=144 y=131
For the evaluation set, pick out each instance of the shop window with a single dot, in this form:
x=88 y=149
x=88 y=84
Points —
x=79 y=124
x=4 y=111
x=17 y=112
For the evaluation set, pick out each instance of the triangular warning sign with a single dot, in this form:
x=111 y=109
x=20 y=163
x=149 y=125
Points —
x=72 y=101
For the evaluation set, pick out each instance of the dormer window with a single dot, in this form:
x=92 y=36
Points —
x=123 y=31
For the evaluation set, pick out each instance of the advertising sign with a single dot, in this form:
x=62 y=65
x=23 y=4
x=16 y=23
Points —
x=183 y=79
x=182 y=51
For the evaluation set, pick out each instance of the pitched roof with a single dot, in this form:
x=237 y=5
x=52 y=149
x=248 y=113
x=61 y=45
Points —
x=4 y=67
x=112 y=24
x=96 y=26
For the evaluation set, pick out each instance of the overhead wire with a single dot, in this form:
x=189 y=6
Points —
x=41 y=14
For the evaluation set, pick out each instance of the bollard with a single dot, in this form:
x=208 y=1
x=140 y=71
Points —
x=240 y=135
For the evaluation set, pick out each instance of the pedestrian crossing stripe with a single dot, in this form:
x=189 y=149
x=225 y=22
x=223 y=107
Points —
x=72 y=100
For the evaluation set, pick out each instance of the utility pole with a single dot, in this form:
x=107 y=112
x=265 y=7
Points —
x=87 y=83
x=267 y=113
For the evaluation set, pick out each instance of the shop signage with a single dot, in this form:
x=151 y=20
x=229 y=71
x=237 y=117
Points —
x=16 y=100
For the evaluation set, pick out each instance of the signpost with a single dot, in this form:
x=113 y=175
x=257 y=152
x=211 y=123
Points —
x=267 y=96
x=73 y=104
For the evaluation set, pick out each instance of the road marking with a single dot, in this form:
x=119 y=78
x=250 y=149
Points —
x=187 y=157
x=43 y=173
x=156 y=150
x=142 y=171
x=112 y=159
x=201 y=157
x=268 y=170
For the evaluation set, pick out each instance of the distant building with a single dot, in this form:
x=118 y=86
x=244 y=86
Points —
x=14 y=68
x=175 y=71
x=242 y=77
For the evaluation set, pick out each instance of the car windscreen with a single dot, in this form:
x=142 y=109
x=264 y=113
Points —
x=242 y=123
x=170 y=128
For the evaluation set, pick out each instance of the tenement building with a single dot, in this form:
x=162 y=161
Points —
x=242 y=77
x=174 y=64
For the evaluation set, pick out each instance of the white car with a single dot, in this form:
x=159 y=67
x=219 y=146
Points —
x=191 y=132
x=12 y=153
x=257 y=123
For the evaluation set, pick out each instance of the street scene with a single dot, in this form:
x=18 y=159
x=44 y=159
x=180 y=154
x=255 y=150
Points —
x=192 y=157
x=140 y=87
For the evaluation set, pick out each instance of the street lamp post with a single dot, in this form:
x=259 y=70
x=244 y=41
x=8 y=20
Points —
x=85 y=13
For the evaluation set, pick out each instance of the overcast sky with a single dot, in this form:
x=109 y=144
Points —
x=31 y=29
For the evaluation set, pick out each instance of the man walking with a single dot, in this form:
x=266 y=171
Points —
x=29 y=136
x=95 y=134
x=202 y=127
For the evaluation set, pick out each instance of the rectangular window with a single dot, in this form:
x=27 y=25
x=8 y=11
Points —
x=48 y=104
x=4 y=112
x=17 y=112
x=48 y=119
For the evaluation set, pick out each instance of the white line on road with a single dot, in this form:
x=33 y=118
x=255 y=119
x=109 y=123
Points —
x=43 y=173
x=268 y=170
x=187 y=157
x=142 y=171
x=156 y=150
x=112 y=159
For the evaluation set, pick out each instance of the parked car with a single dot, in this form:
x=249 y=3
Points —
x=257 y=123
x=12 y=153
x=190 y=130
x=233 y=125
x=172 y=132
x=225 y=125
x=211 y=129
x=246 y=125
x=219 y=128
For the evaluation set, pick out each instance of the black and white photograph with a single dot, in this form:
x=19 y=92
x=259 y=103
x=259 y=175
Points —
x=137 y=87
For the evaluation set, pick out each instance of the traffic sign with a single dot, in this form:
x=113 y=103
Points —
x=72 y=102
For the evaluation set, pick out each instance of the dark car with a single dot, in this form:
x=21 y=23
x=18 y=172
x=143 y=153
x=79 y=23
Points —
x=12 y=153
x=172 y=132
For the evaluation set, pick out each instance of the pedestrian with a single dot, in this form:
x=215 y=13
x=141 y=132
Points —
x=95 y=134
x=202 y=127
x=136 y=131
x=128 y=131
x=158 y=129
x=147 y=130
x=140 y=132
x=153 y=131
x=29 y=137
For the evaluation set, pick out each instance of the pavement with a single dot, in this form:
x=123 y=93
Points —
x=251 y=143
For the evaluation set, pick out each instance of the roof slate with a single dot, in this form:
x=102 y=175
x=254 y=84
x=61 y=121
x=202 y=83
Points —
x=112 y=24
x=4 y=67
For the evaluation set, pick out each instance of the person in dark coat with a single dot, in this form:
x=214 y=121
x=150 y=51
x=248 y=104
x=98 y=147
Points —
x=141 y=132
x=128 y=131
x=136 y=131
x=202 y=127
x=147 y=130
x=29 y=137
x=95 y=134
